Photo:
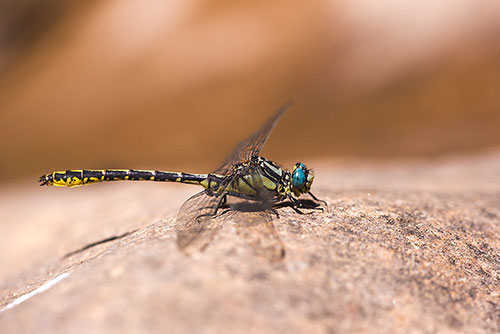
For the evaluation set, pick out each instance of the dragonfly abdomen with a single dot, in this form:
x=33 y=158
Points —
x=78 y=177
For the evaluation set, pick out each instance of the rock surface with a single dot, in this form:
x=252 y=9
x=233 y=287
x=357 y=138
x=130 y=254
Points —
x=410 y=247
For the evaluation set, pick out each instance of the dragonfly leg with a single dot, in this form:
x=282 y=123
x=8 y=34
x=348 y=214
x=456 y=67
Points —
x=275 y=212
x=295 y=204
x=316 y=199
x=295 y=201
x=297 y=210
x=222 y=202
x=299 y=204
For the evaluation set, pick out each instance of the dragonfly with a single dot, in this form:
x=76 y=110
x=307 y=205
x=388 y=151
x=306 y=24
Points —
x=244 y=175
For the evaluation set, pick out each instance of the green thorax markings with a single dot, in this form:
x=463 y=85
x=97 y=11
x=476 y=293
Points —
x=257 y=179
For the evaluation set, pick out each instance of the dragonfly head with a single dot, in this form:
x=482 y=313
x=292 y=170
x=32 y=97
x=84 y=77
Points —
x=302 y=179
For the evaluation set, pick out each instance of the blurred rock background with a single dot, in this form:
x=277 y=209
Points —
x=175 y=85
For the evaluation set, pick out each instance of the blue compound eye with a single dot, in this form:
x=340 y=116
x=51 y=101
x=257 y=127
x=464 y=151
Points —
x=298 y=178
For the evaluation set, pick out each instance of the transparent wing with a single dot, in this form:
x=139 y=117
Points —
x=257 y=230
x=253 y=144
x=195 y=224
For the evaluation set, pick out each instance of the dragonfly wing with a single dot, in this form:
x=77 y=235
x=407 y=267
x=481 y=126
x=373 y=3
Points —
x=252 y=145
x=195 y=224
x=257 y=229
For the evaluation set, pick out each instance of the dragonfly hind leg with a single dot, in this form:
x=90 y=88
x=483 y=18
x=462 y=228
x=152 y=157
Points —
x=221 y=203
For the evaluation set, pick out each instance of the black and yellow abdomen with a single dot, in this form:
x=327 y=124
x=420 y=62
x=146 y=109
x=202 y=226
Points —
x=78 y=177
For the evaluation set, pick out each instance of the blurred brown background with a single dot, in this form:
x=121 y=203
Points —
x=176 y=84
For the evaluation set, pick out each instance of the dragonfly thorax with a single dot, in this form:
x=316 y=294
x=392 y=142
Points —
x=298 y=181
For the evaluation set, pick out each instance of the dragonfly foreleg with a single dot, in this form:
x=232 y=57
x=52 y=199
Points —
x=316 y=199
x=295 y=204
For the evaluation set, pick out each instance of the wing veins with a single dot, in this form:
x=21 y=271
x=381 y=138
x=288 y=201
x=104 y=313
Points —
x=252 y=145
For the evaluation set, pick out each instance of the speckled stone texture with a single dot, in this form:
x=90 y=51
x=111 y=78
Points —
x=402 y=247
